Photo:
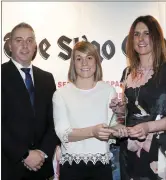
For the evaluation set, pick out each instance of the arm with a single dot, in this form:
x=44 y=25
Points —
x=141 y=130
x=11 y=147
x=50 y=139
x=80 y=134
x=99 y=131
x=156 y=126
x=64 y=130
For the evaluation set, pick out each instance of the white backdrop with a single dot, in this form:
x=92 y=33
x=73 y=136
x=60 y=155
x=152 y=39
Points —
x=98 y=21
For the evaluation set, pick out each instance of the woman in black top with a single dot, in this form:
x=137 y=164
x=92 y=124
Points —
x=142 y=155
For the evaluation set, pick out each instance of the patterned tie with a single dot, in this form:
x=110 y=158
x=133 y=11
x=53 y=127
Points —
x=29 y=84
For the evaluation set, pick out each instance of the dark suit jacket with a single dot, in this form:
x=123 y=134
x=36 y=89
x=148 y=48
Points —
x=22 y=127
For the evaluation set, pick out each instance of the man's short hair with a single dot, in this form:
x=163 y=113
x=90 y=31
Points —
x=21 y=25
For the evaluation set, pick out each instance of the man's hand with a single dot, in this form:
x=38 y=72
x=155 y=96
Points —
x=43 y=154
x=35 y=160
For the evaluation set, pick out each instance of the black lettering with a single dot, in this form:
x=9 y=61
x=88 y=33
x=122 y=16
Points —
x=98 y=48
x=108 y=55
x=43 y=47
x=61 y=43
x=85 y=38
x=75 y=40
x=6 y=45
x=124 y=45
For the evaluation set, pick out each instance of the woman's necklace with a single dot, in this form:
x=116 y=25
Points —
x=143 y=112
x=136 y=96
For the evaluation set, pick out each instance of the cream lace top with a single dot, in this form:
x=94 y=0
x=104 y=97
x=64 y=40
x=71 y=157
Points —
x=76 y=108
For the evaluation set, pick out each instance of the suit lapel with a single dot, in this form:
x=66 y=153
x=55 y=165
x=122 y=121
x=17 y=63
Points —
x=38 y=89
x=19 y=87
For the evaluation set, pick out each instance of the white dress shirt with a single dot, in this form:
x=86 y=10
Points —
x=77 y=108
x=19 y=66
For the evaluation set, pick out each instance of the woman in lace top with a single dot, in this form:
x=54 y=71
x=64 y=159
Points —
x=144 y=83
x=81 y=117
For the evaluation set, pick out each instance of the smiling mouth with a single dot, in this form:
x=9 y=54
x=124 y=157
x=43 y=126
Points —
x=142 y=45
x=85 y=69
x=24 y=53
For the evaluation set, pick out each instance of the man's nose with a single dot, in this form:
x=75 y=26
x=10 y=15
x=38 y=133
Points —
x=24 y=43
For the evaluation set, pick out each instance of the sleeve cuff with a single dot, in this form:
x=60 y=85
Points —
x=65 y=137
x=45 y=155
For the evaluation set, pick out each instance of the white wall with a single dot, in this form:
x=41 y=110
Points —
x=99 y=21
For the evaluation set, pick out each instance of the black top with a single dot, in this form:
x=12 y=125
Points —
x=152 y=97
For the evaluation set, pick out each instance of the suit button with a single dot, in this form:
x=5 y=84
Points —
x=32 y=145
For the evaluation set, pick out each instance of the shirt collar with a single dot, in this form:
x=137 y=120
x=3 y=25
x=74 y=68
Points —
x=19 y=66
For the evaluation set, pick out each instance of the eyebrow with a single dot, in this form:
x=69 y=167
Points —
x=87 y=55
x=90 y=55
x=139 y=31
x=22 y=37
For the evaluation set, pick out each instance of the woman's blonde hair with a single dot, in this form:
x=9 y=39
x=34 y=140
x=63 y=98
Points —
x=90 y=49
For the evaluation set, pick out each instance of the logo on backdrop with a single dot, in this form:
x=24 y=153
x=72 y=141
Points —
x=105 y=50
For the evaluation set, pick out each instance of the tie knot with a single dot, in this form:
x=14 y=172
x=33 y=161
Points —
x=26 y=70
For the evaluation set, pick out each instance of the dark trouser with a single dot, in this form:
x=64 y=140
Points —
x=32 y=175
x=84 y=171
x=33 y=178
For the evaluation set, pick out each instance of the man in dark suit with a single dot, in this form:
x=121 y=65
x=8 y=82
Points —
x=28 y=136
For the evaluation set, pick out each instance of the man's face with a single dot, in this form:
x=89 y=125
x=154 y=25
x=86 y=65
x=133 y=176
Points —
x=23 y=45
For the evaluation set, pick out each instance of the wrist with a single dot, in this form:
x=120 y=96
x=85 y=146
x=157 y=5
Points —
x=151 y=126
x=92 y=131
x=25 y=155
x=44 y=154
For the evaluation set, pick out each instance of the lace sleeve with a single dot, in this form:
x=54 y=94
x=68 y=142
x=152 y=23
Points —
x=62 y=125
